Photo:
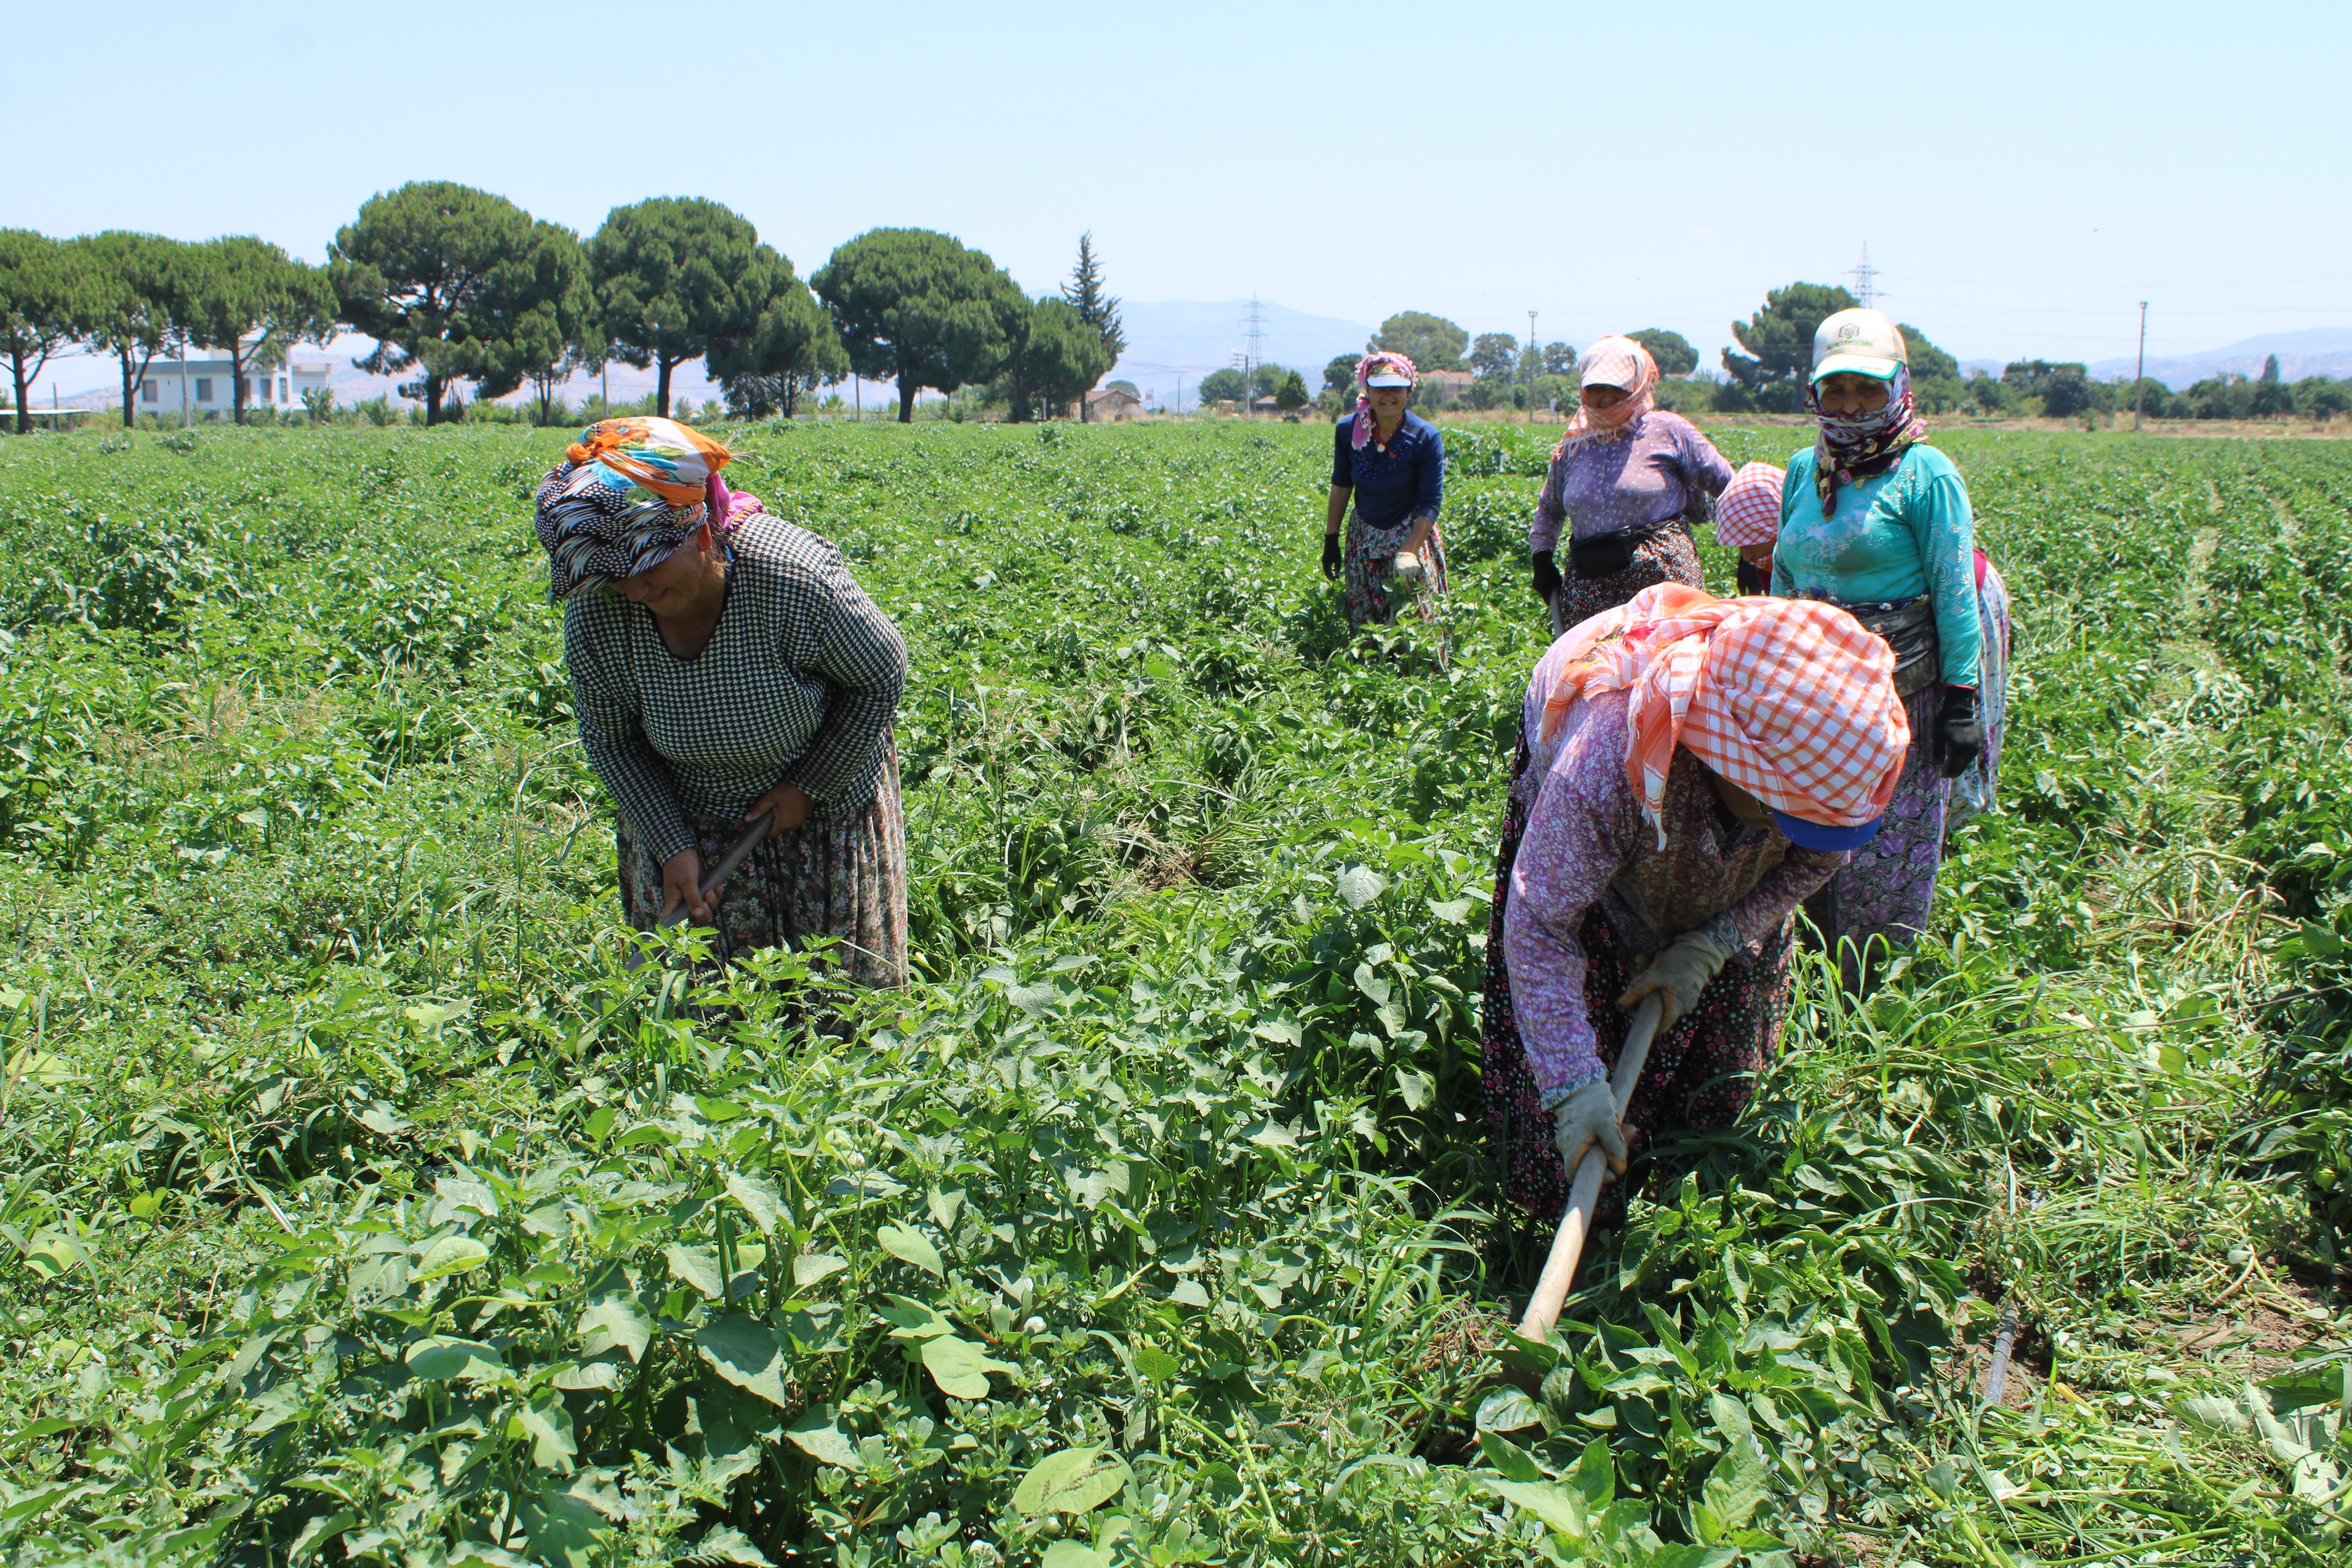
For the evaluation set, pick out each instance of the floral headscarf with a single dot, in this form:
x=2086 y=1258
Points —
x=1613 y=361
x=1371 y=364
x=629 y=493
x=1864 y=444
x=1792 y=700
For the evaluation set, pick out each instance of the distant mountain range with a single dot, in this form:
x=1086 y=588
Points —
x=1177 y=342
x=2316 y=351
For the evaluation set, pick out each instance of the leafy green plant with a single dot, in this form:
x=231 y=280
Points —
x=361 y=1207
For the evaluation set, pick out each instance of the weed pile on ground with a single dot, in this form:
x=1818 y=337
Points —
x=361 y=1206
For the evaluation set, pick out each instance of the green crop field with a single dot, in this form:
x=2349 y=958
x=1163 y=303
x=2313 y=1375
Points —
x=360 y=1206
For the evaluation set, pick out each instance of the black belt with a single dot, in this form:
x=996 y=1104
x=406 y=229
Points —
x=1908 y=628
x=1606 y=554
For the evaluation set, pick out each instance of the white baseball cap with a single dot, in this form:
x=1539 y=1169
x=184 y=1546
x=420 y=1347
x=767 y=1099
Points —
x=1858 y=342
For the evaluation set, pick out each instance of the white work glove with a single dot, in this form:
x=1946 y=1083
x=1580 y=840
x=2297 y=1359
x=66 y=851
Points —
x=1409 y=567
x=1584 y=1117
x=1680 y=972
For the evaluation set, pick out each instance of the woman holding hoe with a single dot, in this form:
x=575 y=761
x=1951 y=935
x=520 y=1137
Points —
x=1877 y=523
x=1689 y=769
x=1392 y=463
x=1623 y=480
x=724 y=665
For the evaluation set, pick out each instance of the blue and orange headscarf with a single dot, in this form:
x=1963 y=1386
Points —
x=630 y=492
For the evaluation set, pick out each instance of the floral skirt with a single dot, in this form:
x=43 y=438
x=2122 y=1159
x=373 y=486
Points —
x=844 y=879
x=1368 y=588
x=1699 y=1075
x=1887 y=887
x=1670 y=556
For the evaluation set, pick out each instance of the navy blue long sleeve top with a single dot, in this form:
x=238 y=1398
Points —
x=1395 y=486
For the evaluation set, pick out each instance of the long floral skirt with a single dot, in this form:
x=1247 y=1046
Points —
x=1886 y=889
x=844 y=879
x=1367 y=589
x=1699 y=1075
x=1669 y=555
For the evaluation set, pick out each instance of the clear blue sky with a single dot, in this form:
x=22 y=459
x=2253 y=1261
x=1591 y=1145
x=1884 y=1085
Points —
x=2023 y=173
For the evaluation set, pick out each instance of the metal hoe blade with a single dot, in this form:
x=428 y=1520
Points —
x=753 y=832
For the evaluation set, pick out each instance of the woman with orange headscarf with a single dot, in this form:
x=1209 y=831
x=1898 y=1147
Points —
x=725 y=664
x=1690 y=768
x=1624 y=482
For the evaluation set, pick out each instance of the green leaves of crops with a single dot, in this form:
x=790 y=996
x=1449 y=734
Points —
x=359 y=1207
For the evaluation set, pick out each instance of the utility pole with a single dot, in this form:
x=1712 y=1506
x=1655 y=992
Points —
x=1866 y=279
x=2139 y=376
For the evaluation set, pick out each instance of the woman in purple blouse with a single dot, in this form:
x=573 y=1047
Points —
x=1626 y=480
x=1605 y=891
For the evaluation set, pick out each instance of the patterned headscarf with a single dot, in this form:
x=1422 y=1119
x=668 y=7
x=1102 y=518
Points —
x=1371 y=364
x=630 y=492
x=1864 y=444
x=1613 y=361
x=1792 y=700
x=1748 y=510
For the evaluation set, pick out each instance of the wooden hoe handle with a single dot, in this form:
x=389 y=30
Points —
x=754 y=831
x=1568 y=1246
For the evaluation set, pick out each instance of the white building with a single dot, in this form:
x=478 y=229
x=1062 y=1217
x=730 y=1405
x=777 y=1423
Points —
x=201 y=387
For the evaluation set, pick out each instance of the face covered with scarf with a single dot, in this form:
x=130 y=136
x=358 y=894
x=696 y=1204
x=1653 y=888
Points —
x=1388 y=364
x=1626 y=366
x=1857 y=443
x=630 y=493
x=1788 y=699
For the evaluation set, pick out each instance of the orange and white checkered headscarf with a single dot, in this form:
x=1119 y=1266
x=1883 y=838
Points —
x=1792 y=700
x=1748 y=510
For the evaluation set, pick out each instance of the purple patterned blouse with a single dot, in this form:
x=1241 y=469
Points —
x=1606 y=487
x=1586 y=844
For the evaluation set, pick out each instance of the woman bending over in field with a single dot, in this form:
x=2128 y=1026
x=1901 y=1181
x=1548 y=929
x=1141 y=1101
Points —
x=1877 y=523
x=1688 y=769
x=725 y=664
x=1623 y=479
x=1393 y=463
x=1748 y=519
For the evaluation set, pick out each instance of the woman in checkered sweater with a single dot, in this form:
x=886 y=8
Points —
x=724 y=663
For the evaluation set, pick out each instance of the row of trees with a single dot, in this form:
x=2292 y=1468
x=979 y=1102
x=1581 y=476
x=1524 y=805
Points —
x=135 y=295
x=461 y=286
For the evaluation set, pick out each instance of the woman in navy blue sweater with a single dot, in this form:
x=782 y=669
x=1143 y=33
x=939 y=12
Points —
x=1393 y=464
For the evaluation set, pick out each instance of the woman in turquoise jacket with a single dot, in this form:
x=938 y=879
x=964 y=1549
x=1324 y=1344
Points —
x=1877 y=523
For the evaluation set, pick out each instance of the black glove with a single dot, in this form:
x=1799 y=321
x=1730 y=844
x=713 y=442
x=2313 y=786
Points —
x=1331 y=556
x=1547 y=576
x=1958 y=737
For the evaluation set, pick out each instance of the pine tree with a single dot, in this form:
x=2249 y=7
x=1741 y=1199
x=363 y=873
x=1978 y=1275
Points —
x=1084 y=293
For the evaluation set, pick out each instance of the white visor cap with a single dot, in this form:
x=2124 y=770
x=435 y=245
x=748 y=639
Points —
x=1388 y=378
x=1858 y=342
